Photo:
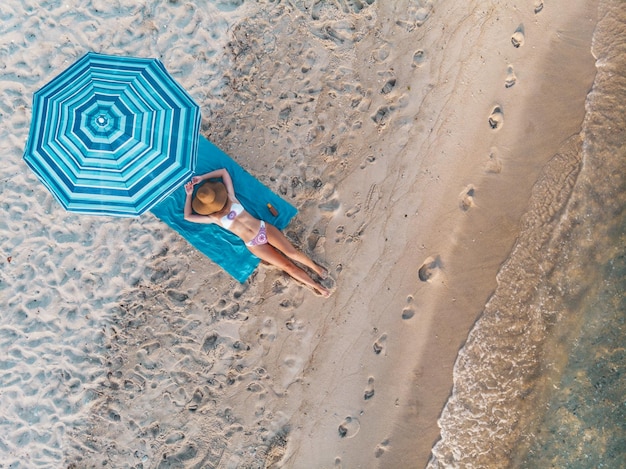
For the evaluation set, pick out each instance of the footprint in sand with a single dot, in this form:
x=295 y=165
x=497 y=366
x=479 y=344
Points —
x=241 y=289
x=419 y=57
x=196 y=400
x=292 y=302
x=292 y=324
x=496 y=118
x=466 y=198
x=379 y=344
x=187 y=452
x=518 y=36
x=255 y=387
x=381 y=117
x=369 y=390
x=381 y=448
x=113 y=415
x=510 y=79
x=389 y=86
x=415 y=17
x=284 y=114
x=494 y=165
x=429 y=268
x=174 y=437
x=341 y=234
x=292 y=366
x=369 y=160
x=210 y=342
x=349 y=427
x=353 y=211
x=408 y=312
x=268 y=331
x=381 y=54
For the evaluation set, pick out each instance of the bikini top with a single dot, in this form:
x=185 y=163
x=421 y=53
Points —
x=227 y=220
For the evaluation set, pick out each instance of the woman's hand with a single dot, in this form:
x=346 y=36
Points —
x=189 y=186
x=196 y=180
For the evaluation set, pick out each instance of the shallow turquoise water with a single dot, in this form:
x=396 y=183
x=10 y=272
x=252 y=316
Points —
x=585 y=422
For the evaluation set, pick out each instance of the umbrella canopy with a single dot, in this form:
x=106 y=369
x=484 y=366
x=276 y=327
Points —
x=113 y=135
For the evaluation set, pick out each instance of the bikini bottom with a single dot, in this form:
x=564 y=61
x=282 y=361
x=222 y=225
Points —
x=260 y=238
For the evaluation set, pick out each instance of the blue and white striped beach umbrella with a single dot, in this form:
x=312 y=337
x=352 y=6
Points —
x=113 y=135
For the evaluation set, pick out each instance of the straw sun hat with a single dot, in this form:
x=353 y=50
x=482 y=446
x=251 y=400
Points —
x=211 y=197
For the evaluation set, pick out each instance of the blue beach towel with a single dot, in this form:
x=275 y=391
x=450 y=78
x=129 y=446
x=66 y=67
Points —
x=221 y=246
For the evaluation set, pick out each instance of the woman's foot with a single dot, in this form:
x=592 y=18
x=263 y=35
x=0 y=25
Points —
x=322 y=291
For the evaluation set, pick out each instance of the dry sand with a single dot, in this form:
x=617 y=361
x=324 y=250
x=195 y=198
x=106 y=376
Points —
x=408 y=134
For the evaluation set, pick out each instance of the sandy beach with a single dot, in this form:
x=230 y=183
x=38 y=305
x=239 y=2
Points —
x=414 y=138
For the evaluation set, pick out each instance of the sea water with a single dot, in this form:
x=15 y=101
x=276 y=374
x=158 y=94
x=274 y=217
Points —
x=584 y=419
x=541 y=380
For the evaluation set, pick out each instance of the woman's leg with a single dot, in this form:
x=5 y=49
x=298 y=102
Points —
x=269 y=254
x=277 y=239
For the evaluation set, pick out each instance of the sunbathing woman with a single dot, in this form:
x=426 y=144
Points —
x=215 y=202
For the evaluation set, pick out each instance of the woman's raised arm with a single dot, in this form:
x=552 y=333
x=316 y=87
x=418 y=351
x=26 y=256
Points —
x=188 y=211
x=218 y=173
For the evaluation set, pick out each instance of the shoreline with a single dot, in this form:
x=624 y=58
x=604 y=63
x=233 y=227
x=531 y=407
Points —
x=444 y=316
